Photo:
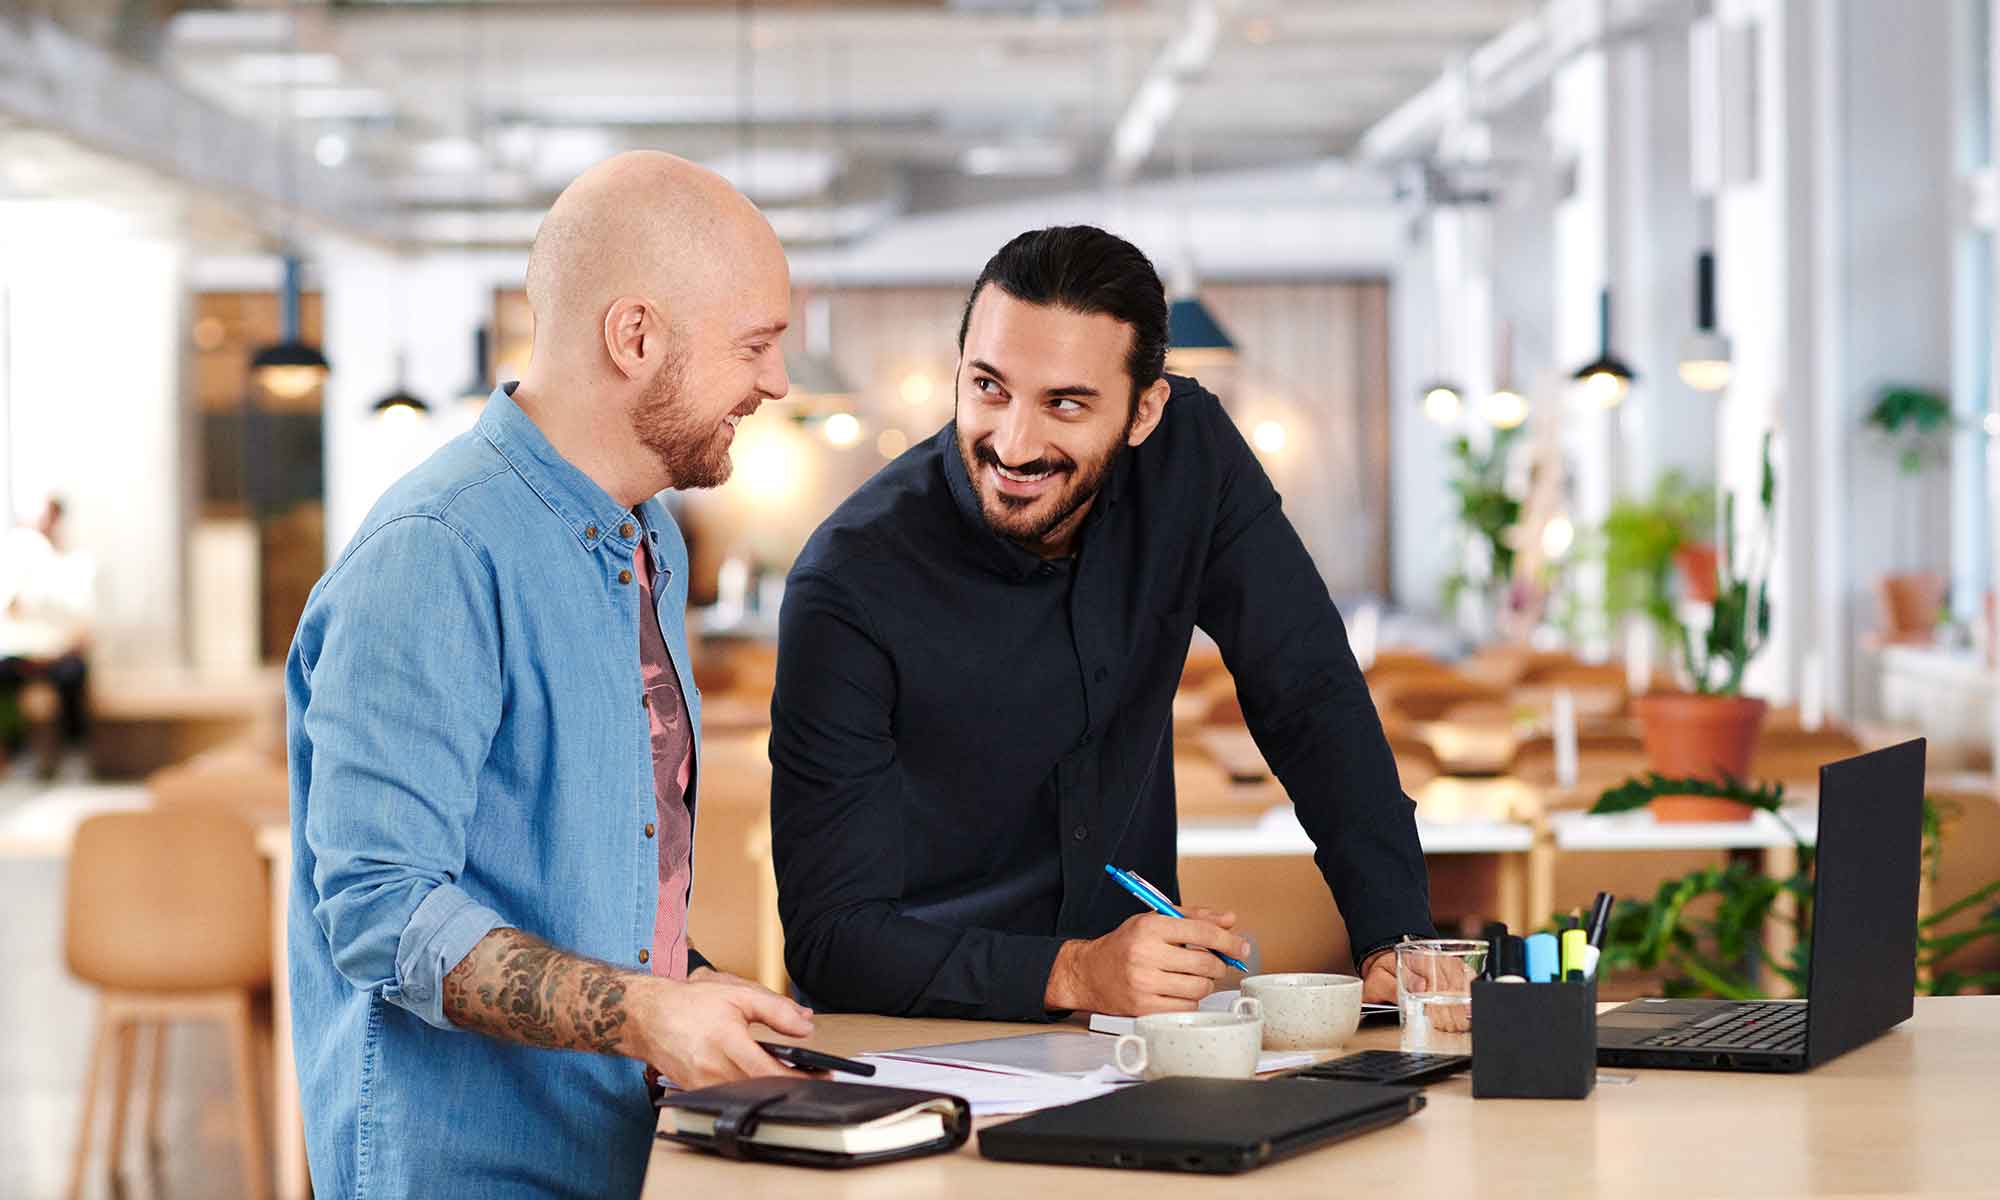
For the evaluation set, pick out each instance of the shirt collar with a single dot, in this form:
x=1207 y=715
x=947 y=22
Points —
x=1004 y=554
x=590 y=512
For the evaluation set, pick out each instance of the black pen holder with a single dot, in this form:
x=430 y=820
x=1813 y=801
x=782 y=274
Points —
x=1534 y=1040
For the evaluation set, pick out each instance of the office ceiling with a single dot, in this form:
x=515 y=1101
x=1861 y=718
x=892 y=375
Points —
x=835 y=116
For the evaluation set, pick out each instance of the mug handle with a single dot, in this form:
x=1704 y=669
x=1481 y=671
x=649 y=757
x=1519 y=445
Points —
x=1130 y=1041
x=1248 y=1006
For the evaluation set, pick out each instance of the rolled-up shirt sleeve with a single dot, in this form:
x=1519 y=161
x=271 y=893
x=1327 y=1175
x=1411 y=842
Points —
x=401 y=654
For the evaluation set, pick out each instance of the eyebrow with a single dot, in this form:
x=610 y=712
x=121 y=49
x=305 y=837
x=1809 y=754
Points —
x=1069 y=389
x=773 y=329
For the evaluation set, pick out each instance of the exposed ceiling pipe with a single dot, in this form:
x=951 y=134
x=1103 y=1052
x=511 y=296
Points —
x=1160 y=92
x=55 y=81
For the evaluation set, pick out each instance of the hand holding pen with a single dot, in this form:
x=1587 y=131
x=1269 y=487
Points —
x=1151 y=963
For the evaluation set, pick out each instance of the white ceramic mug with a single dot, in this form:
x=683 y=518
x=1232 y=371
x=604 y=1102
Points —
x=1305 y=1011
x=1216 y=1044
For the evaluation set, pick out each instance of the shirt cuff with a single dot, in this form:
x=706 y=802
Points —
x=1022 y=965
x=442 y=931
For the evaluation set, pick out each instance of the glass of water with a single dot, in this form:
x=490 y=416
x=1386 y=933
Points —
x=1434 y=989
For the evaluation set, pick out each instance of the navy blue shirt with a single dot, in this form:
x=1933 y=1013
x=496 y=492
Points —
x=964 y=734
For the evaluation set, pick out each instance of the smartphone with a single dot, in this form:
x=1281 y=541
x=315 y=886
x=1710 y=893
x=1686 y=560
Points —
x=813 y=1060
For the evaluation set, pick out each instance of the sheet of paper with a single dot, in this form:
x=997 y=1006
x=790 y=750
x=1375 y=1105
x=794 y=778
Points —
x=991 y=1093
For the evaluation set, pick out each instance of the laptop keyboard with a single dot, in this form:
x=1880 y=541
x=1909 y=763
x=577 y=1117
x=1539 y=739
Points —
x=1777 y=1028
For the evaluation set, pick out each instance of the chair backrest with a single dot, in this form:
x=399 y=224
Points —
x=254 y=789
x=168 y=900
x=1427 y=698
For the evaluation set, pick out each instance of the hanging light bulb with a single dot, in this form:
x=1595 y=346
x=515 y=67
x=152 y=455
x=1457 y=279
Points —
x=1443 y=403
x=1705 y=357
x=476 y=391
x=1558 y=535
x=1268 y=436
x=842 y=429
x=1506 y=409
x=1606 y=378
x=401 y=407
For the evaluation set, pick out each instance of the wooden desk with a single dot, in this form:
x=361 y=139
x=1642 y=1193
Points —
x=1910 y=1114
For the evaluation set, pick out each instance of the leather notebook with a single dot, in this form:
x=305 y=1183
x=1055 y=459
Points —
x=816 y=1122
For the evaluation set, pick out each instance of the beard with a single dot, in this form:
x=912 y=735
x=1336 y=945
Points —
x=1030 y=520
x=693 y=451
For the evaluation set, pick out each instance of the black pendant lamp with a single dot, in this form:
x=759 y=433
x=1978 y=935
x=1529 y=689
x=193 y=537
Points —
x=402 y=403
x=1705 y=357
x=1443 y=401
x=291 y=366
x=1605 y=378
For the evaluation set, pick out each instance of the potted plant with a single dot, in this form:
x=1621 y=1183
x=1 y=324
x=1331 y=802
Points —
x=1704 y=931
x=1711 y=731
x=1487 y=514
x=1916 y=422
x=1643 y=541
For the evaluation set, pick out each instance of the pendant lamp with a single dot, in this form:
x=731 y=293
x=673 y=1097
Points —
x=1705 y=356
x=1605 y=378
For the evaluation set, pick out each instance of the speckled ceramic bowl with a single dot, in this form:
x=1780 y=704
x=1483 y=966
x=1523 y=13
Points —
x=1216 y=1044
x=1307 y=1012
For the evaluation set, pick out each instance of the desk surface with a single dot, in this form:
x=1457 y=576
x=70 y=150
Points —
x=1909 y=1114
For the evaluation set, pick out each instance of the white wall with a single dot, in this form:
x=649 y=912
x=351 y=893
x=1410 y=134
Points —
x=96 y=312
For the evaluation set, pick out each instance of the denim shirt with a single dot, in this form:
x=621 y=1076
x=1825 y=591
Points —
x=470 y=749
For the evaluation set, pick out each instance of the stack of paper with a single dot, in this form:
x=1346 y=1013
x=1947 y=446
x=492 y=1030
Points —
x=1024 y=1073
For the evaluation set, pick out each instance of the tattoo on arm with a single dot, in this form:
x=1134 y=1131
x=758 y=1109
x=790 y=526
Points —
x=518 y=988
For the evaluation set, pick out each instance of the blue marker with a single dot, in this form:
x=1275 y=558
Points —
x=1154 y=899
x=1542 y=958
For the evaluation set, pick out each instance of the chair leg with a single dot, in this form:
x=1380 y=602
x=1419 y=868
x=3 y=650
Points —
x=126 y=1047
x=242 y=1054
x=157 y=1087
x=99 y=1047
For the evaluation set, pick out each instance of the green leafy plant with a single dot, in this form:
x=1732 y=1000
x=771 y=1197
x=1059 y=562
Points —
x=1485 y=510
x=1705 y=930
x=1637 y=543
x=1740 y=619
x=1915 y=417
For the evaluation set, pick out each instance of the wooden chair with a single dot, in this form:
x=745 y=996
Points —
x=168 y=915
x=1969 y=859
x=1427 y=698
x=1796 y=755
x=250 y=787
x=1602 y=761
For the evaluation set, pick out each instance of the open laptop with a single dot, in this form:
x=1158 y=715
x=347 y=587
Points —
x=1862 y=976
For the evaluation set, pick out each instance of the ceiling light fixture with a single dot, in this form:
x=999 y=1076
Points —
x=1605 y=378
x=1706 y=364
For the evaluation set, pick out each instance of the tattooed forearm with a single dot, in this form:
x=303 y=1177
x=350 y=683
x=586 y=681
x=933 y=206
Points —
x=515 y=987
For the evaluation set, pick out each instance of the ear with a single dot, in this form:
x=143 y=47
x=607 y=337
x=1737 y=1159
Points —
x=631 y=335
x=1152 y=406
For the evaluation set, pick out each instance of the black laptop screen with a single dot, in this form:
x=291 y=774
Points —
x=1864 y=948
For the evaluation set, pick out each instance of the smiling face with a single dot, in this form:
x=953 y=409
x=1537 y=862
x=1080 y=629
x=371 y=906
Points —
x=722 y=363
x=1045 y=406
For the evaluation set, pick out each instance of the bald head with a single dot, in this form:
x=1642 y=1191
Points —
x=660 y=294
x=643 y=224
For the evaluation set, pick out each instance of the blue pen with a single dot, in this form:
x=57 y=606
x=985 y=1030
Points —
x=1154 y=899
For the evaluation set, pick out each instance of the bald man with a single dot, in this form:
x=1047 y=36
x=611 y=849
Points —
x=492 y=732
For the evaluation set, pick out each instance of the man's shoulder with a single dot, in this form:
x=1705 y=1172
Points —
x=885 y=520
x=465 y=490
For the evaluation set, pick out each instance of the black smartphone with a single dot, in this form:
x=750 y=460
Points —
x=813 y=1060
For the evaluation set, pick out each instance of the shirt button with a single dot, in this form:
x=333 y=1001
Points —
x=590 y=531
x=649 y=829
x=1080 y=833
x=645 y=701
x=1046 y=569
x=645 y=955
x=625 y=530
x=624 y=576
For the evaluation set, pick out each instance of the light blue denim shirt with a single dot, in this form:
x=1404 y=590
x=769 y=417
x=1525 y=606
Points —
x=470 y=749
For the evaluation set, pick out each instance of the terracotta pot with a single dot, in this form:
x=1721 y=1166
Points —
x=1696 y=561
x=1910 y=605
x=1706 y=737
